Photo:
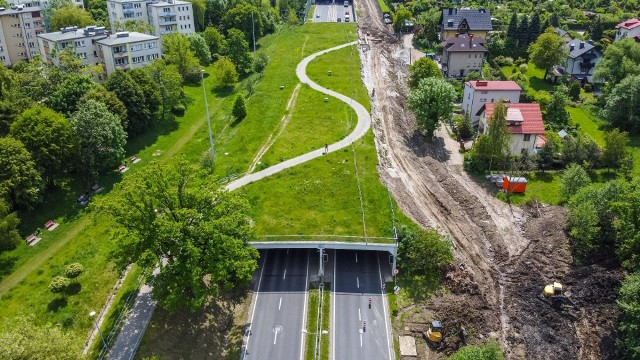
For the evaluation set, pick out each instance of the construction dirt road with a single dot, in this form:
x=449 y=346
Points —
x=504 y=255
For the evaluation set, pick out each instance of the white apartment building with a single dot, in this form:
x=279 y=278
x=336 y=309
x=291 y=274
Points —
x=165 y=17
x=40 y=3
x=19 y=26
x=128 y=50
x=478 y=93
x=83 y=40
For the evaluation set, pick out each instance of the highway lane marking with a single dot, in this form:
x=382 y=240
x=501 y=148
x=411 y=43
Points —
x=276 y=329
x=255 y=304
x=384 y=308
x=285 y=274
x=356 y=257
x=358 y=282
x=280 y=305
x=360 y=339
x=359 y=316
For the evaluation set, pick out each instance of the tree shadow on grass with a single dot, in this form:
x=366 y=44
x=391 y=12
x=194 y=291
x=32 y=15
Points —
x=57 y=304
x=422 y=147
x=223 y=91
x=7 y=264
x=73 y=288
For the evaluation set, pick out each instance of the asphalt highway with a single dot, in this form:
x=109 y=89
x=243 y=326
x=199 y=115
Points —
x=330 y=12
x=279 y=313
x=357 y=277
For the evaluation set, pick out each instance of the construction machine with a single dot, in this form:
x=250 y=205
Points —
x=554 y=293
x=434 y=334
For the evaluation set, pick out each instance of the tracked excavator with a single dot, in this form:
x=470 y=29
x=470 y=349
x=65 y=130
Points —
x=434 y=334
x=554 y=294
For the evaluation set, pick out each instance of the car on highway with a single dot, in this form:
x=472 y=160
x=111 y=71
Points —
x=317 y=15
x=346 y=16
x=346 y=3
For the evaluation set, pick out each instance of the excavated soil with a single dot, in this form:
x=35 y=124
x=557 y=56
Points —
x=504 y=255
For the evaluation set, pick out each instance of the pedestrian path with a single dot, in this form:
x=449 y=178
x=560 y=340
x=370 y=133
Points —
x=140 y=314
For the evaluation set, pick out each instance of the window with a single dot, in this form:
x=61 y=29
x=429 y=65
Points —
x=121 y=61
x=79 y=43
x=189 y=26
x=166 y=10
x=2 y=58
x=137 y=59
x=527 y=137
x=137 y=5
x=139 y=14
x=32 y=45
x=113 y=6
x=95 y=53
x=83 y=55
x=1 y=48
x=483 y=92
x=469 y=56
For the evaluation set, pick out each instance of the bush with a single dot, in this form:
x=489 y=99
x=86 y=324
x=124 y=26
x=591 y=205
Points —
x=588 y=88
x=520 y=61
x=573 y=179
x=59 y=284
x=629 y=303
x=239 y=108
x=503 y=61
x=523 y=68
x=73 y=270
x=489 y=351
x=260 y=63
x=574 y=90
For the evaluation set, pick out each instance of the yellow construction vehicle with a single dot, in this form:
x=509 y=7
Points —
x=555 y=294
x=434 y=334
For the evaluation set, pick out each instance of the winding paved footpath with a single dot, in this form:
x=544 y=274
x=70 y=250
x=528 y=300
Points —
x=138 y=318
x=364 y=122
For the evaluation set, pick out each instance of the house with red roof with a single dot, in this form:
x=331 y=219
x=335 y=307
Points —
x=628 y=28
x=478 y=93
x=524 y=122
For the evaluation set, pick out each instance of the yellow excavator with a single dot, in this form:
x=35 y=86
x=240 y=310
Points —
x=554 y=293
x=434 y=334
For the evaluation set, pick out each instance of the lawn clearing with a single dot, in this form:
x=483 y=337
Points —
x=535 y=75
x=383 y=6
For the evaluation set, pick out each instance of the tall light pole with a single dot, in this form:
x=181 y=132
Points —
x=206 y=106
x=92 y=315
x=253 y=32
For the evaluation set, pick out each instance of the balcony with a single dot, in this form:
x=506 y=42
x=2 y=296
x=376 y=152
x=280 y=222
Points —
x=168 y=22
x=166 y=14
x=128 y=11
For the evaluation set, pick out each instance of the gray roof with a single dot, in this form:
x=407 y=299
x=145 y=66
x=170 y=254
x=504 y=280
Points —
x=479 y=19
x=463 y=43
x=164 y=3
x=560 y=31
x=131 y=38
x=577 y=51
x=7 y=10
x=73 y=34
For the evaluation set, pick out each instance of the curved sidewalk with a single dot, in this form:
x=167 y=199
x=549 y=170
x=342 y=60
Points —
x=364 y=122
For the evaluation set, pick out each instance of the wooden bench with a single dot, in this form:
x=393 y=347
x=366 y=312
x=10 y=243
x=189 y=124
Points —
x=31 y=239
x=134 y=159
x=49 y=224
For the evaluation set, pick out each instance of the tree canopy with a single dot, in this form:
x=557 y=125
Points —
x=176 y=50
x=548 y=51
x=200 y=48
x=110 y=100
x=421 y=69
x=431 y=102
x=555 y=112
x=239 y=17
x=66 y=96
x=20 y=338
x=20 y=181
x=629 y=302
x=573 y=179
x=169 y=83
x=225 y=72
x=620 y=60
x=622 y=108
x=215 y=40
x=491 y=149
x=169 y=213
x=9 y=237
x=132 y=95
x=70 y=15
x=238 y=51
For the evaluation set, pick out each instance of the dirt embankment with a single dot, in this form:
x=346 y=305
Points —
x=504 y=255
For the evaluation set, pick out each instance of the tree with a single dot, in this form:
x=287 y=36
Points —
x=133 y=98
x=629 y=303
x=622 y=107
x=70 y=60
x=464 y=127
x=555 y=112
x=199 y=8
x=73 y=270
x=200 y=48
x=247 y=19
x=554 y=20
x=548 y=51
x=574 y=90
x=615 y=151
x=139 y=25
x=9 y=237
x=169 y=83
x=534 y=28
x=260 y=62
x=20 y=182
x=66 y=96
x=491 y=149
x=152 y=96
x=59 y=284
x=176 y=49
x=170 y=213
x=627 y=228
x=101 y=139
x=49 y=8
x=489 y=351
x=110 y=100
x=49 y=137
x=70 y=16
x=596 y=29
x=215 y=40
x=21 y=338
x=431 y=101
x=573 y=179
x=548 y=155
x=401 y=14
x=580 y=149
x=522 y=36
x=214 y=12
x=421 y=69
x=584 y=227
x=238 y=51
x=225 y=72
x=620 y=60
x=511 y=40
x=239 y=108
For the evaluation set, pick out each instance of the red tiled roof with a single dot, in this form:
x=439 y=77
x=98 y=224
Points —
x=540 y=141
x=629 y=24
x=531 y=115
x=495 y=85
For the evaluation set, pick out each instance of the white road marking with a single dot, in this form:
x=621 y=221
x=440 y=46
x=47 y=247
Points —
x=280 y=305
x=360 y=339
x=255 y=303
x=359 y=315
x=285 y=274
x=275 y=337
x=304 y=310
x=358 y=282
x=356 y=257
x=384 y=308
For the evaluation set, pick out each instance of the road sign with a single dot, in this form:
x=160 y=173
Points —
x=395 y=271
x=396 y=289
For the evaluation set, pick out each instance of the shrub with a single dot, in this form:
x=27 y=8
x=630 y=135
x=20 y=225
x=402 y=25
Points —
x=59 y=284
x=520 y=61
x=489 y=351
x=239 y=108
x=260 y=63
x=588 y=88
x=503 y=61
x=73 y=270
x=523 y=68
x=573 y=179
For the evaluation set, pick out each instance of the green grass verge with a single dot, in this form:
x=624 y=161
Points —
x=326 y=323
x=312 y=322
x=383 y=7
x=393 y=309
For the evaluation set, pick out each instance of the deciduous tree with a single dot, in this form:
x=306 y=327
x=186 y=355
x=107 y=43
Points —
x=401 y=14
x=421 y=69
x=49 y=137
x=200 y=48
x=150 y=91
x=620 y=60
x=133 y=98
x=66 y=96
x=431 y=102
x=555 y=112
x=21 y=338
x=176 y=50
x=9 y=237
x=238 y=51
x=101 y=139
x=491 y=149
x=20 y=181
x=171 y=214
x=169 y=84
x=622 y=108
x=239 y=108
x=70 y=16
x=215 y=40
x=629 y=303
x=573 y=179
x=225 y=72
x=199 y=7
x=240 y=17
x=548 y=51
x=615 y=151
x=110 y=100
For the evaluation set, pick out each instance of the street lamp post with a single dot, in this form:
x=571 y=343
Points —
x=315 y=351
x=92 y=315
x=226 y=157
x=206 y=106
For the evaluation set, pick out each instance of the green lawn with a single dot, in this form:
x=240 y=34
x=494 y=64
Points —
x=541 y=185
x=535 y=75
x=383 y=6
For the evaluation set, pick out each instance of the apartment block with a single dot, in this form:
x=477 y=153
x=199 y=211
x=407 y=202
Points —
x=41 y=3
x=19 y=26
x=83 y=40
x=165 y=17
x=128 y=50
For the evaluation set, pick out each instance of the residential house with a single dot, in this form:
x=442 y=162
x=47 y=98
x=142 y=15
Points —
x=128 y=50
x=524 y=122
x=564 y=34
x=478 y=93
x=628 y=28
x=582 y=60
x=19 y=26
x=165 y=17
x=83 y=40
x=462 y=54
x=462 y=21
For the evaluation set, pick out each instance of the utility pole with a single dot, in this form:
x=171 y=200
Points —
x=206 y=106
x=253 y=33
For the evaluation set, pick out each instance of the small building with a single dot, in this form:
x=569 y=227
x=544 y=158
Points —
x=462 y=54
x=564 y=34
x=628 y=28
x=83 y=40
x=581 y=61
x=478 y=93
x=461 y=21
x=19 y=26
x=128 y=50
x=524 y=122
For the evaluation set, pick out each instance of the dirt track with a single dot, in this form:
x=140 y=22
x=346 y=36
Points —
x=508 y=253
